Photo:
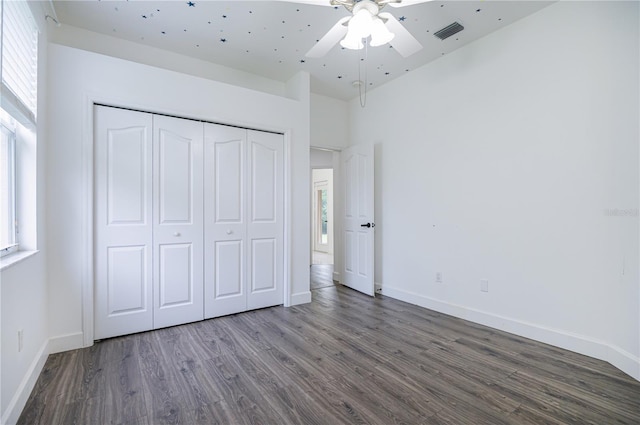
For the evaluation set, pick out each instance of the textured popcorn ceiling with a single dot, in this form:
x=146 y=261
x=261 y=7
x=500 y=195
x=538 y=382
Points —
x=270 y=38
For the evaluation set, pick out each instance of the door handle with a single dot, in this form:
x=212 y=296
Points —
x=368 y=225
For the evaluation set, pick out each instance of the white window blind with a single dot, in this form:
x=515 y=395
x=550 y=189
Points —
x=19 y=61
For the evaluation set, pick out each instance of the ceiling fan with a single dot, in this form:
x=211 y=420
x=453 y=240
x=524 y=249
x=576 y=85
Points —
x=366 y=21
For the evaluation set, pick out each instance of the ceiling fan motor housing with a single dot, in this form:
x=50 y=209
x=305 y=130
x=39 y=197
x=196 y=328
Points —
x=371 y=6
x=350 y=4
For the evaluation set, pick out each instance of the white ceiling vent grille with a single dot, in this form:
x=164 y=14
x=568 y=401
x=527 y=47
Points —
x=448 y=31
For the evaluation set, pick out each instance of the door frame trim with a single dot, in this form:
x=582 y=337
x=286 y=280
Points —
x=90 y=100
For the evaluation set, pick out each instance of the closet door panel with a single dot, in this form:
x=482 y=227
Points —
x=176 y=173
x=264 y=265
x=265 y=227
x=126 y=280
x=229 y=295
x=178 y=221
x=123 y=222
x=176 y=267
x=126 y=176
x=228 y=179
x=225 y=220
x=228 y=274
x=264 y=181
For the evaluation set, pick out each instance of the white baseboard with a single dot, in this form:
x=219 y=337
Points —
x=336 y=277
x=67 y=342
x=19 y=399
x=623 y=360
x=301 y=298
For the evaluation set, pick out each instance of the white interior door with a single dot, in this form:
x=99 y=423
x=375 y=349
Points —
x=178 y=227
x=225 y=222
x=265 y=250
x=358 y=219
x=123 y=222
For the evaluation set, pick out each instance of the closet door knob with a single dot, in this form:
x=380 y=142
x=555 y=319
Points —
x=176 y=234
x=229 y=231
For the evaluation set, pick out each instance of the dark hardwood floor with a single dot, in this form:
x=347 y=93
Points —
x=343 y=359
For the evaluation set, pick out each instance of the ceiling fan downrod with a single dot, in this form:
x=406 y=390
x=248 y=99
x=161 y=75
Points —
x=350 y=4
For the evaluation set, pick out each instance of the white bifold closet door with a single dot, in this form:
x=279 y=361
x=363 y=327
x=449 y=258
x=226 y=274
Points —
x=178 y=246
x=123 y=222
x=148 y=222
x=244 y=219
x=189 y=221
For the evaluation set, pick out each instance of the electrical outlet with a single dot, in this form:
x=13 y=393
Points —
x=484 y=285
x=438 y=277
x=20 y=339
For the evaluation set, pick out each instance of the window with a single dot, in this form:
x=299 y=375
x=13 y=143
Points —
x=18 y=107
x=8 y=222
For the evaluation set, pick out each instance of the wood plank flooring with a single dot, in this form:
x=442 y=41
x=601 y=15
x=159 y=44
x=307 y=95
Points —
x=321 y=276
x=343 y=359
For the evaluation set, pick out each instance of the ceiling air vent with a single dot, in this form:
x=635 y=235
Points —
x=448 y=31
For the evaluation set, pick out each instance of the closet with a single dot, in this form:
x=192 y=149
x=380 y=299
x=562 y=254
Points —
x=189 y=220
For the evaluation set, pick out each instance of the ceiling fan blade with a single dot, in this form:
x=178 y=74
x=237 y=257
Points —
x=329 y=40
x=316 y=2
x=403 y=42
x=402 y=3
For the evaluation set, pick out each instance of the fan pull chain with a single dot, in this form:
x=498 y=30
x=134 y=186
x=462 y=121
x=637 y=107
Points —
x=363 y=103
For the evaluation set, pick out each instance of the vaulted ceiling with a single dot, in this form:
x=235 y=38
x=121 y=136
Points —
x=270 y=38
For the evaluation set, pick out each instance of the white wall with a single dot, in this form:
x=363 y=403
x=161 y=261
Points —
x=329 y=122
x=321 y=158
x=99 y=43
x=23 y=285
x=503 y=161
x=77 y=77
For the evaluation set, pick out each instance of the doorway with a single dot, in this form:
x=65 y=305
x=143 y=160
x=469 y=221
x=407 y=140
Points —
x=322 y=218
x=322 y=225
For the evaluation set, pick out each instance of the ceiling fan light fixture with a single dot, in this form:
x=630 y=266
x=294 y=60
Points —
x=367 y=22
x=380 y=34
x=358 y=28
x=364 y=23
x=353 y=43
x=361 y=22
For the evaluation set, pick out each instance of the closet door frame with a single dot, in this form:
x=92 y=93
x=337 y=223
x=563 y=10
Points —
x=86 y=337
